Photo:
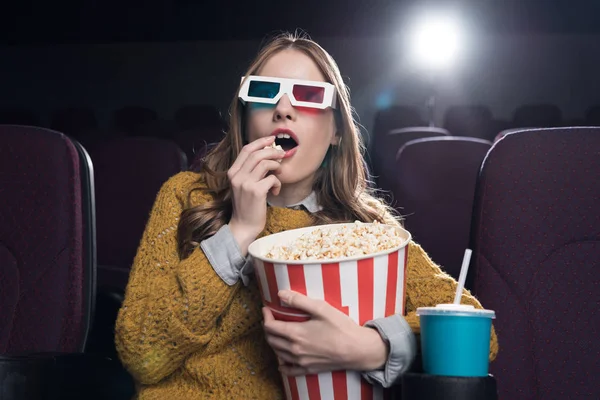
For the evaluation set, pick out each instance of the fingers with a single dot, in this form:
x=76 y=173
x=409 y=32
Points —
x=255 y=168
x=277 y=328
x=258 y=156
x=294 y=358
x=316 y=308
x=258 y=189
x=252 y=154
x=294 y=364
x=263 y=168
x=280 y=345
x=271 y=183
x=255 y=184
x=286 y=358
x=267 y=315
x=248 y=149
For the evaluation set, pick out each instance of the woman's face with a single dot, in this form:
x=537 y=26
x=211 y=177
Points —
x=313 y=129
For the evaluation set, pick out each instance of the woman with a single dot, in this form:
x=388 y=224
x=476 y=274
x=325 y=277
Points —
x=190 y=326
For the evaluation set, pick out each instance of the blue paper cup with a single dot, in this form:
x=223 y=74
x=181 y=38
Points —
x=455 y=340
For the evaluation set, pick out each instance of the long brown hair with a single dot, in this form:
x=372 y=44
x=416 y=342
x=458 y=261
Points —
x=342 y=185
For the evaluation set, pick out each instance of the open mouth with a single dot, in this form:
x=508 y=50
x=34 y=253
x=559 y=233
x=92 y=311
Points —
x=286 y=142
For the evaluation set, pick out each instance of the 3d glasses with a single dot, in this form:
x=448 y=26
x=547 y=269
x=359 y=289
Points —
x=268 y=90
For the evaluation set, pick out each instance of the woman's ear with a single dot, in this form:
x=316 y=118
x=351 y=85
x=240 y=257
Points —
x=336 y=139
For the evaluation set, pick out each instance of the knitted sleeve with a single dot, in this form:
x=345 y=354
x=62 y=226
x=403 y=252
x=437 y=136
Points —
x=427 y=285
x=171 y=306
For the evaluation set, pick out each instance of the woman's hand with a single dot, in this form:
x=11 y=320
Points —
x=329 y=341
x=250 y=184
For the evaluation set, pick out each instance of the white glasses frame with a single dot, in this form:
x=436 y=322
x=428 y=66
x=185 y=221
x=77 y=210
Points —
x=286 y=86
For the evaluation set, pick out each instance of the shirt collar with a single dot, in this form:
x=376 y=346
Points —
x=310 y=203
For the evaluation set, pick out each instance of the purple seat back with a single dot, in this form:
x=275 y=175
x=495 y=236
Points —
x=434 y=189
x=390 y=144
x=47 y=270
x=472 y=121
x=128 y=173
x=536 y=243
x=505 y=132
x=538 y=116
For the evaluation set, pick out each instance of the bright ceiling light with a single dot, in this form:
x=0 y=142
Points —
x=436 y=42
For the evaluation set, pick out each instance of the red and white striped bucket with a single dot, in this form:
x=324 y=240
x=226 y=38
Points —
x=364 y=288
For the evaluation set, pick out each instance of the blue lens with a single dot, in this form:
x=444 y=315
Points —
x=255 y=105
x=266 y=90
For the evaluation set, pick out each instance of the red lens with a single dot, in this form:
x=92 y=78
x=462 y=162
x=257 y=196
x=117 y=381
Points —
x=309 y=94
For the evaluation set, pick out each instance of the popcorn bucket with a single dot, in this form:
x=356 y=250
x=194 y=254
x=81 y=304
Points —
x=364 y=288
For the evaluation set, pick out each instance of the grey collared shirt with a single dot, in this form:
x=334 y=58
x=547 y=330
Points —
x=310 y=203
x=225 y=256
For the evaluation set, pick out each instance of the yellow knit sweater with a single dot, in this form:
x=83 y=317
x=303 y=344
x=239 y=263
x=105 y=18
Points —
x=185 y=334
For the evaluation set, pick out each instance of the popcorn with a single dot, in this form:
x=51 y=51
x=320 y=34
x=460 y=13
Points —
x=276 y=147
x=358 y=239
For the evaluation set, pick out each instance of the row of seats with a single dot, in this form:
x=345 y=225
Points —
x=529 y=207
x=386 y=146
x=431 y=178
x=478 y=121
x=397 y=125
x=531 y=218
